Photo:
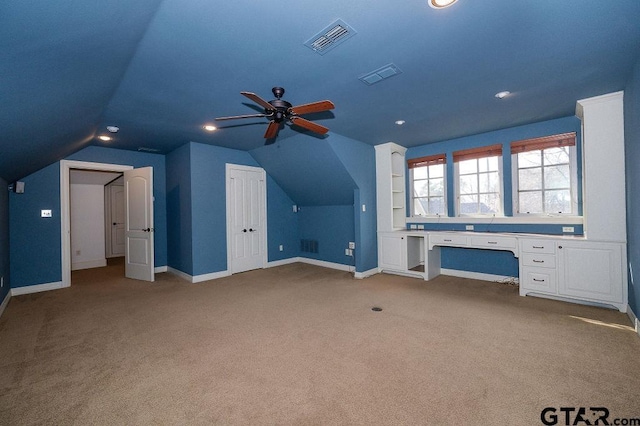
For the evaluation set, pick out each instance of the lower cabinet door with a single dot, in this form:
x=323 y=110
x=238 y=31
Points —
x=591 y=270
x=393 y=252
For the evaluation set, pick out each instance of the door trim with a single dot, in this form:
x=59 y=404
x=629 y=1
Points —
x=65 y=215
x=265 y=244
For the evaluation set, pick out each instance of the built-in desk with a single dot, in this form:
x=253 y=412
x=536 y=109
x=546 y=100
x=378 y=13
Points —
x=565 y=267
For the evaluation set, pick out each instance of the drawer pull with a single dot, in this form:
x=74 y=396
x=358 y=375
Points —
x=492 y=242
x=538 y=281
x=538 y=247
x=538 y=261
x=447 y=241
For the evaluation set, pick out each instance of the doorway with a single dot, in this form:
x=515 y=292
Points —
x=65 y=206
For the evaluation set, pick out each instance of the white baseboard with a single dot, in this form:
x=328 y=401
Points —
x=159 y=269
x=365 y=274
x=17 y=291
x=198 y=278
x=634 y=320
x=282 y=262
x=5 y=302
x=325 y=264
x=478 y=275
x=88 y=264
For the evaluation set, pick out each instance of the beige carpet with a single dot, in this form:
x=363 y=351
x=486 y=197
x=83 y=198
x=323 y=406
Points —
x=299 y=344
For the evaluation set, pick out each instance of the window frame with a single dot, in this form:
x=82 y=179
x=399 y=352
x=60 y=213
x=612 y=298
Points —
x=573 y=176
x=477 y=153
x=437 y=159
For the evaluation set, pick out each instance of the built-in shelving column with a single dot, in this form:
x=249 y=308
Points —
x=390 y=188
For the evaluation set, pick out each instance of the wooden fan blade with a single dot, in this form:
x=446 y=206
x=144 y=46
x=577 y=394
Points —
x=312 y=107
x=309 y=125
x=257 y=99
x=272 y=130
x=241 y=116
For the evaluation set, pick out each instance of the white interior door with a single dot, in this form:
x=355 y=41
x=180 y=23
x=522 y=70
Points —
x=117 y=220
x=246 y=216
x=138 y=223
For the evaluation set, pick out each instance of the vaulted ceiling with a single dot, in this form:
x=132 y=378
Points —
x=161 y=69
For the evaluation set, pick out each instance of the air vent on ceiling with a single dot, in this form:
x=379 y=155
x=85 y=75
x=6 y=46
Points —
x=330 y=37
x=145 y=149
x=380 y=74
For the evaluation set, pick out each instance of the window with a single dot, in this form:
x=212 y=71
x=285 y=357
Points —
x=545 y=175
x=428 y=183
x=478 y=172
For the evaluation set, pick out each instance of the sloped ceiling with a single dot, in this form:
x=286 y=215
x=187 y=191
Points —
x=160 y=69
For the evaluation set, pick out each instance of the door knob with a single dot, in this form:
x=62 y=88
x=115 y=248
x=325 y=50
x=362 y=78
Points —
x=251 y=230
x=114 y=224
x=244 y=230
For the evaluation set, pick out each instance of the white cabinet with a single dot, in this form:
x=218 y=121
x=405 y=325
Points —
x=592 y=271
x=392 y=250
x=583 y=270
x=390 y=187
x=603 y=167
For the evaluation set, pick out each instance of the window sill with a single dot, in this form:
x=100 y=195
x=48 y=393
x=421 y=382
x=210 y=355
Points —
x=543 y=220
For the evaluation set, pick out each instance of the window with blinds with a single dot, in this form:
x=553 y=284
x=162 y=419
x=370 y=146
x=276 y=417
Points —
x=478 y=180
x=428 y=184
x=545 y=175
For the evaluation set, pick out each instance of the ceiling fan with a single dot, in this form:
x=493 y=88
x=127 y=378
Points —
x=279 y=111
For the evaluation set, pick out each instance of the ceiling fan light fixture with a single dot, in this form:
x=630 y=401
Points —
x=503 y=94
x=441 y=4
x=400 y=122
x=104 y=138
x=210 y=127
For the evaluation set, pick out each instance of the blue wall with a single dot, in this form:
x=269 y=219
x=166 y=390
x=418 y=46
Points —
x=4 y=240
x=332 y=227
x=35 y=252
x=632 y=157
x=197 y=210
x=359 y=160
x=179 y=225
x=30 y=234
x=484 y=261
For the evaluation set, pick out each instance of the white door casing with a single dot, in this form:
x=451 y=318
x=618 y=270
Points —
x=116 y=223
x=138 y=195
x=246 y=218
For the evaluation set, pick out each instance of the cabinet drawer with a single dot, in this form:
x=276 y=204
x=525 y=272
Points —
x=538 y=246
x=494 y=242
x=539 y=260
x=538 y=279
x=448 y=239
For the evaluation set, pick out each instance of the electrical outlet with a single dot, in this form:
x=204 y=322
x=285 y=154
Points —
x=364 y=208
x=346 y=252
x=352 y=245
x=469 y=227
x=280 y=247
x=45 y=213
x=567 y=229
x=413 y=226
x=421 y=227
x=295 y=208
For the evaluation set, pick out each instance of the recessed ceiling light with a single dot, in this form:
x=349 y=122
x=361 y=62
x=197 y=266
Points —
x=501 y=95
x=113 y=129
x=104 y=138
x=210 y=128
x=400 y=122
x=441 y=4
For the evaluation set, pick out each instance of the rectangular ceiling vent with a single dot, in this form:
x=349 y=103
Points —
x=380 y=74
x=329 y=38
x=145 y=149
